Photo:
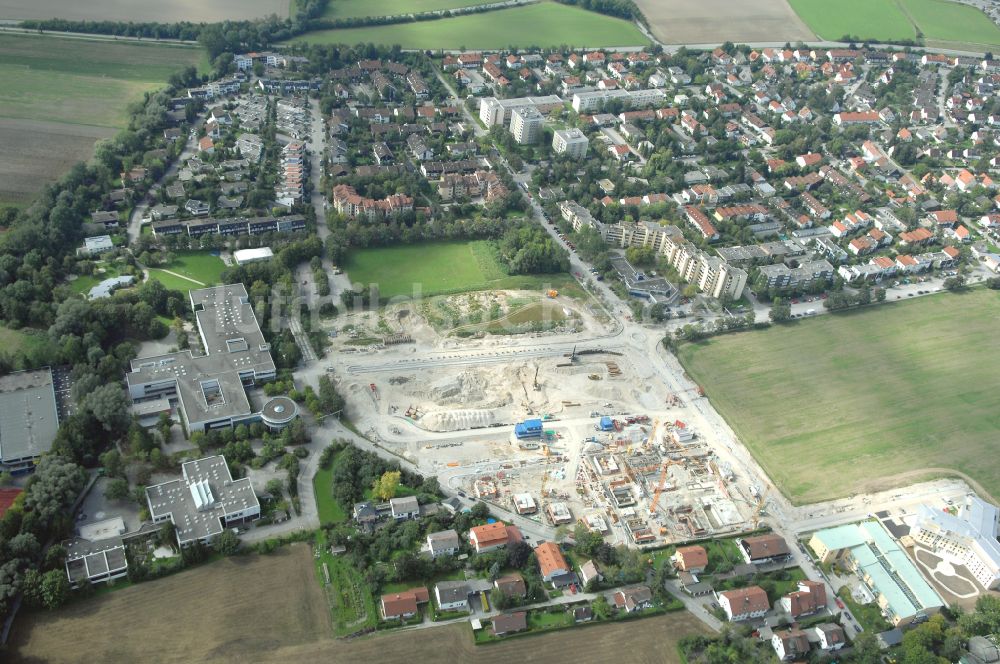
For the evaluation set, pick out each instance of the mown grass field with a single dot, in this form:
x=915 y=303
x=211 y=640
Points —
x=192 y=270
x=60 y=96
x=942 y=20
x=434 y=268
x=543 y=24
x=864 y=19
x=866 y=400
x=939 y=21
x=355 y=8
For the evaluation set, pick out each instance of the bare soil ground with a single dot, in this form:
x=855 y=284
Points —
x=646 y=641
x=35 y=152
x=716 y=21
x=238 y=609
x=169 y=11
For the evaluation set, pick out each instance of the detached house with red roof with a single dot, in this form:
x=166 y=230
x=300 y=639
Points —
x=744 y=603
x=807 y=600
x=403 y=605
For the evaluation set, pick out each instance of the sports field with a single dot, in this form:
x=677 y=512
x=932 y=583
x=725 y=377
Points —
x=235 y=610
x=356 y=8
x=60 y=96
x=436 y=268
x=190 y=270
x=939 y=21
x=716 y=21
x=543 y=24
x=866 y=400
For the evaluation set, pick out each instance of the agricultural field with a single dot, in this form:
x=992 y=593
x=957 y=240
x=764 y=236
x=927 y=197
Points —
x=716 y=21
x=437 y=268
x=865 y=19
x=941 y=22
x=61 y=96
x=190 y=270
x=947 y=21
x=864 y=400
x=167 y=11
x=541 y=24
x=237 y=609
x=649 y=640
x=356 y=8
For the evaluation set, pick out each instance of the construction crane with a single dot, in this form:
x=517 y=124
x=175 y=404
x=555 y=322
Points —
x=536 y=378
x=661 y=485
x=652 y=433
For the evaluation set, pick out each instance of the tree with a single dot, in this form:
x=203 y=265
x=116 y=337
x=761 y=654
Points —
x=168 y=535
x=781 y=310
x=112 y=463
x=601 y=608
x=274 y=487
x=518 y=554
x=386 y=486
x=227 y=543
x=480 y=511
x=110 y=407
x=955 y=283
x=117 y=489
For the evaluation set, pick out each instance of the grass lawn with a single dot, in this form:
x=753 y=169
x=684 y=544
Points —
x=864 y=19
x=354 y=8
x=192 y=270
x=869 y=616
x=863 y=400
x=943 y=20
x=437 y=268
x=18 y=341
x=542 y=24
x=330 y=511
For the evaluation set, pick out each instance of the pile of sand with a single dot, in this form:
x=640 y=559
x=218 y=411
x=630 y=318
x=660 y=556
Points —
x=454 y=420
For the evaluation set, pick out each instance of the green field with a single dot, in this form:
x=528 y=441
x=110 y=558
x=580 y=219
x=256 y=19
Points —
x=943 y=20
x=865 y=400
x=60 y=96
x=542 y=24
x=436 y=268
x=82 y=82
x=193 y=270
x=897 y=20
x=356 y=8
x=864 y=19
x=329 y=510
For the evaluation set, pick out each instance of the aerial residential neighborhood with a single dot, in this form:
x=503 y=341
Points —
x=327 y=332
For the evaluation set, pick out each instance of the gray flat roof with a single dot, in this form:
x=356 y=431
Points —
x=210 y=386
x=199 y=500
x=28 y=418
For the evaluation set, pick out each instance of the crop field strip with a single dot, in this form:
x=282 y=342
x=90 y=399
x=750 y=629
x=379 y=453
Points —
x=61 y=96
x=542 y=24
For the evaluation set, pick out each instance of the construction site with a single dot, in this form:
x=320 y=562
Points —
x=574 y=437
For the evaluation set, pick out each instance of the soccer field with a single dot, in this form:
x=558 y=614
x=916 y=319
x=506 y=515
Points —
x=437 y=268
x=865 y=400
x=542 y=24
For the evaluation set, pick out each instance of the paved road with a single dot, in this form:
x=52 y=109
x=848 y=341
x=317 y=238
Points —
x=139 y=211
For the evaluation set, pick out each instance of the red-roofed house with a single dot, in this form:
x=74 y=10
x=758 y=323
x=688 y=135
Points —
x=807 y=600
x=551 y=562
x=488 y=537
x=403 y=605
x=744 y=603
x=692 y=559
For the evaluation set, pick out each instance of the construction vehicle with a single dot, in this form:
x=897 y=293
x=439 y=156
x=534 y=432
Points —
x=552 y=293
x=537 y=387
x=652 y=433
x=761 y=507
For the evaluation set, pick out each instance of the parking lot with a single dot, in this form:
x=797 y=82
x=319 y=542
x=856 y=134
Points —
x=62 y=383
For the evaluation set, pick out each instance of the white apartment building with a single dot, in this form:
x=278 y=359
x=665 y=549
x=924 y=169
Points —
x=970 y=537
x=570 y=142
x=584 y=102
x=526 y=125
x=494 y=112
